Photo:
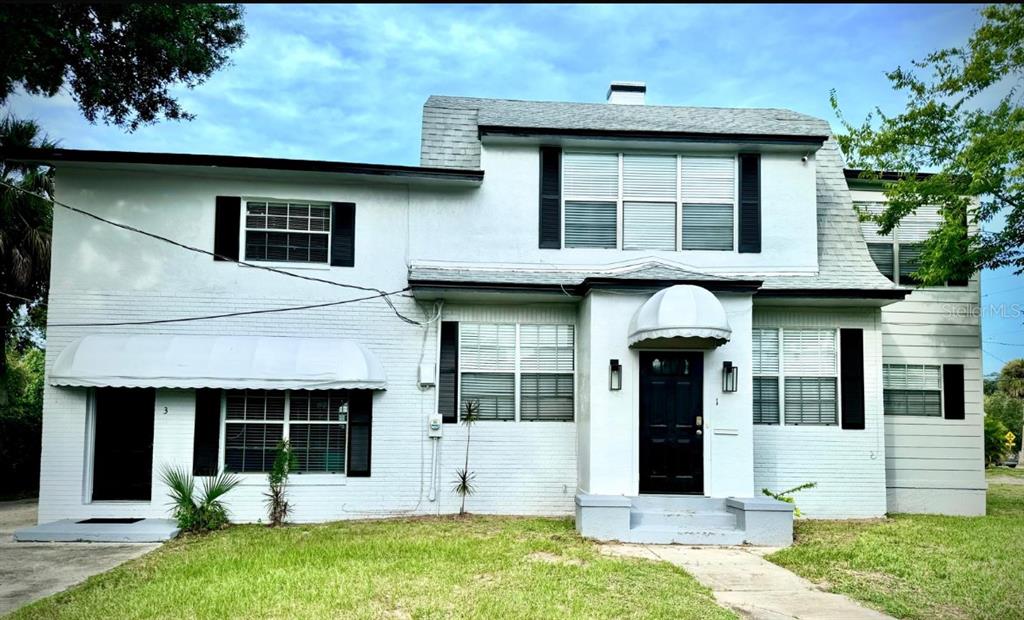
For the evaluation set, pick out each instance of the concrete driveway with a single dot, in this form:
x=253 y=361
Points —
x=31 y=571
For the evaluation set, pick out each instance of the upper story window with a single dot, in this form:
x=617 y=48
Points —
x=795 y=376
x=649 y=202
x=898 y=254
x=912 y=389
x=287 y=232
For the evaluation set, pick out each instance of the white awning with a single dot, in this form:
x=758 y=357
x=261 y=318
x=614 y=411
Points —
x=680 y=312
x=229 y=362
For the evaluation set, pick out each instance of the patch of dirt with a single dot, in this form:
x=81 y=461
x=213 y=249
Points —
x=1005 y=480
x=551 y=558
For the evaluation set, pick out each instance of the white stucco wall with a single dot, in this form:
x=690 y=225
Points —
x=848 y=466
x=503 y=221
x=610 y=433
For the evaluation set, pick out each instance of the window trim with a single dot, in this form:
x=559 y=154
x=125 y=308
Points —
x=286 y=423
x=517 y=372
x=941 y=390
x=244 y=230
x=781 y=376
x=622 y=198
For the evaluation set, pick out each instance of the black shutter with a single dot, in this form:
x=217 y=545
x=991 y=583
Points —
x=851 y=379
x=750 y=203
x=343 y=234
x=226 y=227
x=206 y=440
x=550 y=197
x=953 y=391
x=360 y=429
x=448 y=375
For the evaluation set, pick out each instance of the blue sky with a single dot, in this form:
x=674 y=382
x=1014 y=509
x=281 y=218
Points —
x=348 y=82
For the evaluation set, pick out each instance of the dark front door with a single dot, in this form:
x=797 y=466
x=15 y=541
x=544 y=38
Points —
x=123 y=448
x=671 y=428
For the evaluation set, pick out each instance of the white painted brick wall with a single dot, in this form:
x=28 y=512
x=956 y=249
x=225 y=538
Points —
x=847 y=465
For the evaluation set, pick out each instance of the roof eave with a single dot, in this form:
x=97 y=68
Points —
x=81 y=156
x=675 y=136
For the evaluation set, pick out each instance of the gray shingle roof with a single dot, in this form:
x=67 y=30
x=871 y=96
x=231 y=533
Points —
x=450 y=139
x=571 y=277
x=450 y=124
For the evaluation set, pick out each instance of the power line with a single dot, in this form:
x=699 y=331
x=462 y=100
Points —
x=226 y=314
x=25 y=299
x=380 y=293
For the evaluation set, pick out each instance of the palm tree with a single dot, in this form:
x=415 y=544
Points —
x=25 y=226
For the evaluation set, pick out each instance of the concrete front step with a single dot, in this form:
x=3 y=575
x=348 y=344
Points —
x=683 y=520
x=678 y=503
x=653 y=535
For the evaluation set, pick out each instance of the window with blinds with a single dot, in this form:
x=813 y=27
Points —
x=666 y=202
x=912 y=390
x=766 y=376
x=795 y=376
x=898 y=254
x=524 y=372
x=287 y=232
x=314 y=422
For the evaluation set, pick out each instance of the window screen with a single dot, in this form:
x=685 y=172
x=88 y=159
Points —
x=766 y=379
x=287 y=232
x=707 y=227
x=590 y=224
x=314 y=422
x=912 y=390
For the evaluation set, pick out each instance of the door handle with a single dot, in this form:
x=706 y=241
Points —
x=699 y=432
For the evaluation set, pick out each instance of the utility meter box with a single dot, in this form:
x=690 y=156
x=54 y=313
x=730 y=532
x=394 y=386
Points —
x=426 y=378
x=434 y=425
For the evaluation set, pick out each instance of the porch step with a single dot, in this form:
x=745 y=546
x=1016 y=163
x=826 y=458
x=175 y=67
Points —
x=683 y=519
x=678 y=503
x=661 y=535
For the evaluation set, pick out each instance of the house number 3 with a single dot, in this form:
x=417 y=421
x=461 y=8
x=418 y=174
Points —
x=165 y=410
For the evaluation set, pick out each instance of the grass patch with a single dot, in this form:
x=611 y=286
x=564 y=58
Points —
x=1004 y=472
x=921 y=566
x=478 y=567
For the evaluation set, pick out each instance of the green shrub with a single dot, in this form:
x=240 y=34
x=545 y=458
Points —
x=203 y=513
x=996 y=445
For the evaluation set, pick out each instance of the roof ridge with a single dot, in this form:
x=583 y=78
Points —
x=468 y=99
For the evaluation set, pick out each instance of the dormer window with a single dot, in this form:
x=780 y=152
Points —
x=649 y=201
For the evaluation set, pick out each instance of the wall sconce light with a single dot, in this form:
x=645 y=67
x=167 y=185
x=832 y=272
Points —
x=729 y=377
x=615 y=376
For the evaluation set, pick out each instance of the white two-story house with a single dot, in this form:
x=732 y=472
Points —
x=657 y=312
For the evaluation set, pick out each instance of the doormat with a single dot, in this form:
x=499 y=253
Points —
x=124 y=521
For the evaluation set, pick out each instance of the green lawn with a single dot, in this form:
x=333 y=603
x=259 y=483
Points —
x=922 y=566
x=1004 y=472
x=478 y=567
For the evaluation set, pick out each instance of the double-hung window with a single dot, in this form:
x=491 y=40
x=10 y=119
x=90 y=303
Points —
x=912 y=389
x=898 y=254
x=649 y=201
x=795 y=377
x=314 y=422
x=517 y=371
x=287 y=232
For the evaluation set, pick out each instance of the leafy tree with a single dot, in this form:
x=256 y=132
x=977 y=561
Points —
x=1011 y=379
x=119 y=61
x=1008 y=411
x=25 y=223
x=995 y=441
x=976 y=149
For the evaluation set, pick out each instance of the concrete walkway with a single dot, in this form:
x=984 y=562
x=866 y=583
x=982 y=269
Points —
x=30 y=571
x=750 y=585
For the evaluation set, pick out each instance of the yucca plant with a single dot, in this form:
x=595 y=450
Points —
x=464 y=478
x=205 y=512
x=278 y=507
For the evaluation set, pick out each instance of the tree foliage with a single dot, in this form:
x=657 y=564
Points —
x=118 y=61
x=963 y=120
x=25 y=225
